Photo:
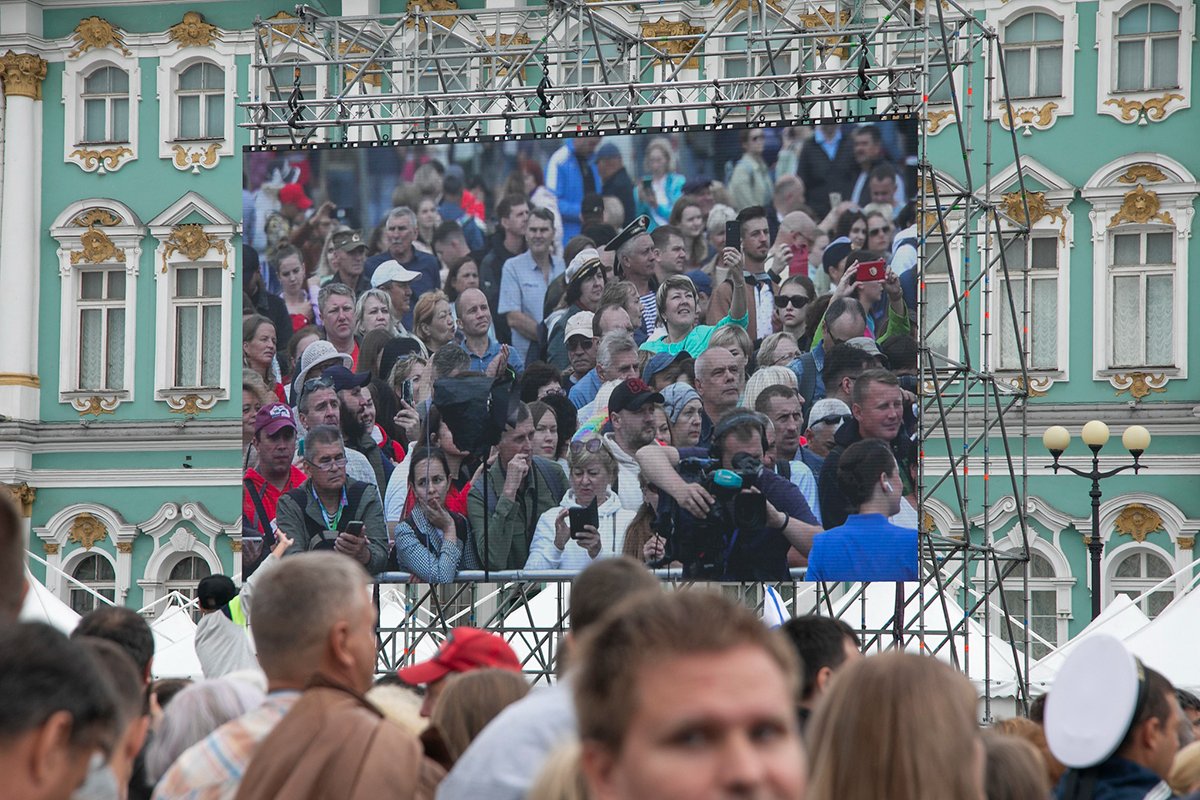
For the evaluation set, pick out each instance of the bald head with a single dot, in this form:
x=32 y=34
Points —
x=799 y=222
x=789 y=194
x=474 y=313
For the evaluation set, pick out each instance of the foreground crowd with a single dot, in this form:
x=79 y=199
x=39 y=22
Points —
x=660 y=694
x=715 y=382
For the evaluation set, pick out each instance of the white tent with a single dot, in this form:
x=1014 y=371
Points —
x=175 y=645
x=1120 y=619
x=1169 y=643
x=875 y=607
x=42 y=606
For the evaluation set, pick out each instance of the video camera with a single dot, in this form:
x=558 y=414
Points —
x=703 y=545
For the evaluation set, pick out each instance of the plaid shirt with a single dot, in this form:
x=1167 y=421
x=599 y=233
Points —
x=212 y=769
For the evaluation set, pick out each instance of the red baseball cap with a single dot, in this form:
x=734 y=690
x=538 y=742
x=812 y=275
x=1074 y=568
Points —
x=294 y=193
x=465 y=649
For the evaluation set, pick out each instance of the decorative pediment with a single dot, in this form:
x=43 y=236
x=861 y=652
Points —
x=193 y=31
x=96 y=33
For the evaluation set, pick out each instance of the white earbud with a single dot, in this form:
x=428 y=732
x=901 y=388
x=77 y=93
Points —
x=887 y=487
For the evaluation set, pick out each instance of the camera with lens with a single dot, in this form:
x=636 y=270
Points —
x=702 y=545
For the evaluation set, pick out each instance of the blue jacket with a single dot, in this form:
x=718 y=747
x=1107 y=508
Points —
x=565 y=179
x=1119 y=779
x=866 y=548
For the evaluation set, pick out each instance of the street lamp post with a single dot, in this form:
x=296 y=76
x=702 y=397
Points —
x=1095 y=434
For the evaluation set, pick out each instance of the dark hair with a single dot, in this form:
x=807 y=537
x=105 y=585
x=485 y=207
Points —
x=1015 y=769
x=448 y=359
x=907 y=215
x=448 y=230
x=781 y=390
x=860 y=467
x=740 y=422
x=452 y=276
x=567 y=416
x=662 y=234
x=165 y=689
x=820 y=642
x=845 y=360
x=42 y=672
x=12 y=560
x=517 y=413
x=1159 y=695
x=371 y=348
x=900 y=351
x=804 y=282
x=1037 y=709
x=422 y=453
x=846 y=221
x=125 y=682
x=750 y=213
x=1187 y=700
x=123 y=627
x=882 y=171
x=869 y=130
x=294 y=343
x=537 y=375
x=576 y=245
x=815 y=311
x=602 y=232
x=507 y=203
x=594 y=590
x=452 y=185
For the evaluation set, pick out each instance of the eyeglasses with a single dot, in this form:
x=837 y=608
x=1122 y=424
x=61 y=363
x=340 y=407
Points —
x=795 y=300
x=591 y=445
x=330 y=465
x=832 y=419
x=312 y=384
x=877 y=231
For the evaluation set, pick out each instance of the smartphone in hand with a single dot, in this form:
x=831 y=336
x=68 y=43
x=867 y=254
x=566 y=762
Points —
x=355 y=528
x=733 y=234
x=582 y=517
x=869 y=271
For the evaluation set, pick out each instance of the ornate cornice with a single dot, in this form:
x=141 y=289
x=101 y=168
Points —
x=676 y=49
x=22 y=74
x=433 y=6
x=194 y=243
x=125 y=547
x=50 y=548
x=1152 y=110
x=193 y=31
x=935 y=120
x=107 y=160
x=97 y=248
x=96 y=216
x=1027 y=117
x=87 y=530
x=1038 y=384
x=1186 y=542
x=1139 y=207
x=94 y=33
x=1138 y=384
x=193 y=158
x=1138 y=521
x=1149 y=172
x=282 y=34
x=829 y=19
x=191 y=404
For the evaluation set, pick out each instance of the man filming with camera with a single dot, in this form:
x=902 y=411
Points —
x=724 y=516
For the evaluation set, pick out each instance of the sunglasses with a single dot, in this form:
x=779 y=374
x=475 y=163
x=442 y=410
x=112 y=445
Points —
x=877 y=231
x=794 y=300
x=592 y=445
x=832 y=419
x=313 y=384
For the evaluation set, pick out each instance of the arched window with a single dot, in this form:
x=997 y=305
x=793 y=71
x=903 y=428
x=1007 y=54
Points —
x=106 y=106
x=96 y=573
x=201 y=97
x=184 y=576
x=1043 y=606
x=1148 y=48
x=1033 y=55
x=1137 y=573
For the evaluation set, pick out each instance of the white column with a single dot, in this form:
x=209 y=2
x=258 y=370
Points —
x=23 y=74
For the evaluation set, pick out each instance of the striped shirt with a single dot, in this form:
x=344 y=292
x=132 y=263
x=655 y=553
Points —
x=212 y=768
x=649 y=312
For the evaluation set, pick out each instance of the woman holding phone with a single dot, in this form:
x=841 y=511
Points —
x=565 y=537
x=432 y=542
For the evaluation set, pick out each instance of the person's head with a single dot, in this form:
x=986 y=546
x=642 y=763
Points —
x=336 y=302
x=373 y=312
x=882 y=183
x=123 y=627
x=545 y=430
x=790 y=300
x=688 y=695
x=631 y=413
x=581 y=343
x=1014 y=769
x=585 y=278
x=129 y=693
x=741 y=431
x=659 y=158
x=789 y=194
x=464 y=650
x=433 y=323
x=470 y=701
x=778 y=350
x=678 y=304
x=867 y=474
x=752 y=140
x=255 y=394
x=868 y=146
x=611 y=317
x=756 y=235
x=325 y=458
x=684 y=412
x=275 y=439
x=1153 y=737
x=12 y=561
x=853 y=226
x=783 y=406
x=736 y=340
x=593 y=590
x=319 y=404
x=449 y=361
x=539 y=380
x=1190 y=705
x=347 y=255
x=56 y=712
x=459 y=279
x=450 y=244
x=915 y=709
x=313 y=613
x=1032 y=732
x=844 y=363
x=624 y=294
x=592 y=468
x=824 y=418
x=517 y=438
x=617 y=357
x=672 y=252
x=513 y=213
x=300 y=341
x=824 y=645
x=401 y=232
x=396 y=281
x=878 y=405
x=427 y=217
x=844 y=320
x=474 y=314
x=193 y=714
x=539 y=232
x=715 y=225
x=717 y=380
x=688 y=216
x=638 y=257
x=289 y=264
x=879 y=233
x=763 y=379
x=258 y=343
x=429 y=476
x=662 y=426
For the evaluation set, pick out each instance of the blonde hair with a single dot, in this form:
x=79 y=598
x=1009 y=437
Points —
x=766 y=350
x=580 y=458
x=470 y=701
x=728 y=335
x=1031 y=732
x=561 y=777
x=899 y=726
x=253 y=383
x=764 y=378
x=1185 y=772
x=360 y=310
x=401 y=705
x=664 y=144
x=424 y=310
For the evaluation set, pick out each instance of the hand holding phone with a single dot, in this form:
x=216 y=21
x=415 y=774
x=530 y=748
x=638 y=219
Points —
x=870 y=271
x=579 y=518
x=733 y=234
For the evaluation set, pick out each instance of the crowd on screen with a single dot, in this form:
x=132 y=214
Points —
x=651 y=358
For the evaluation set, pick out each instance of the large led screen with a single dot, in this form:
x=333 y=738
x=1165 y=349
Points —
x=696 y=347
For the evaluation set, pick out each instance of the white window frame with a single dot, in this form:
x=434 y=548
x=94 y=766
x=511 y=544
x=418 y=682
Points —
x=1152 y=105
x=206 y=152
x=1115 y=556
x=1061 y=583
x=75 y=583
x=947 y=188
x=98 y=157
x=126 y=237
x=62 y=553
x=167 y=259
x=1107 y=190
x=173 y=539
x=1035 y=113
x=1058 y=194
x=185 y=588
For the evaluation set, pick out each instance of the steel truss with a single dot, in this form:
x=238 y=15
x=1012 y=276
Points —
x=569 y=65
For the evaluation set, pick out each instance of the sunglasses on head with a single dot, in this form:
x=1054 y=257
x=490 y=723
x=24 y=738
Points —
x=312 y=384
x=796 y=300
x=833 y=419
x=592 y=445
